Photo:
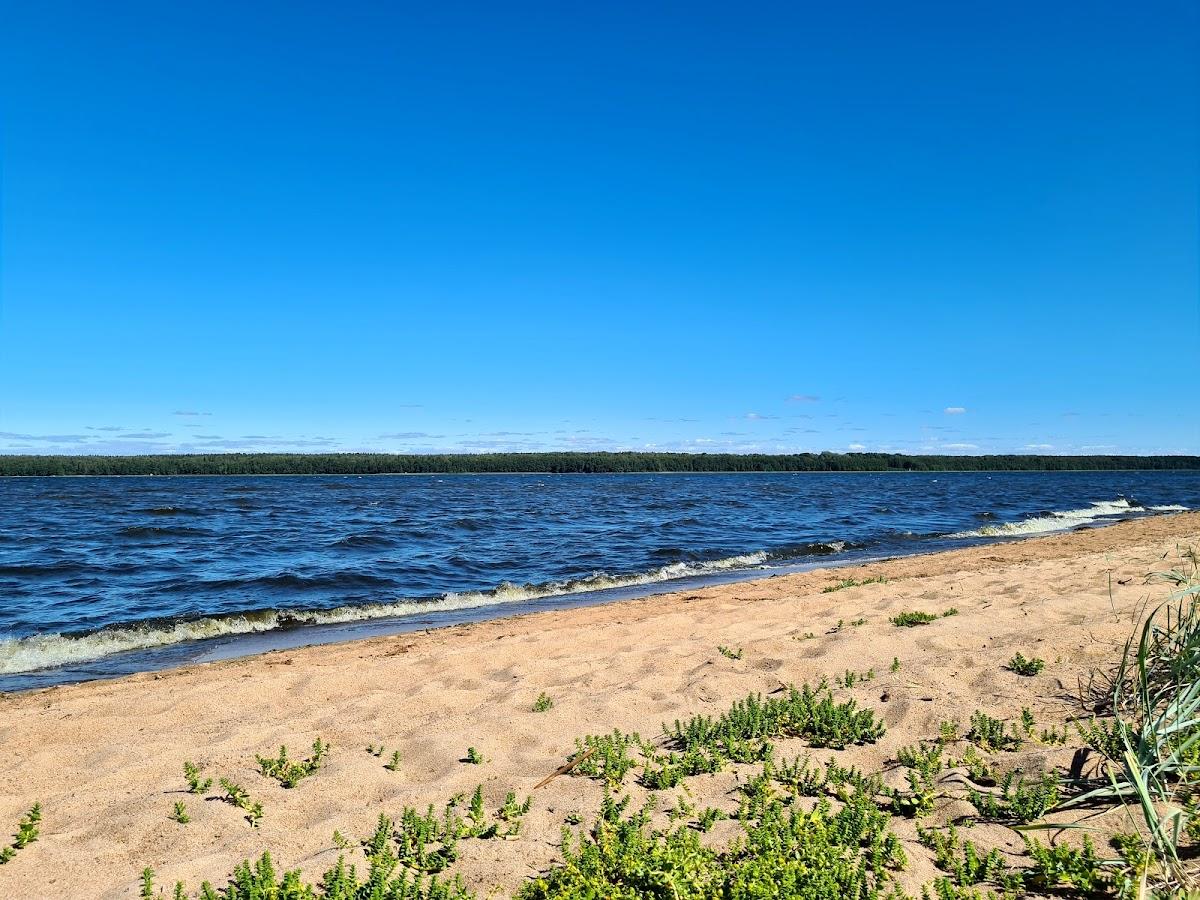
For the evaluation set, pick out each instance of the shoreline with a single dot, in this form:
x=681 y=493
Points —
x=471 y=607
x=104 y=757
x=538 y=472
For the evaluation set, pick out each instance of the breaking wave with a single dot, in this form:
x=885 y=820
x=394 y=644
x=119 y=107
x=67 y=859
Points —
x=1064 y=520
x=45 y=651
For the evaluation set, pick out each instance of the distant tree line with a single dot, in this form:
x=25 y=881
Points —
x=561 y=463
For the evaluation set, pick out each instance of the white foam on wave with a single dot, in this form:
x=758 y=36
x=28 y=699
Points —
x=43 y=651
x=1065 y=519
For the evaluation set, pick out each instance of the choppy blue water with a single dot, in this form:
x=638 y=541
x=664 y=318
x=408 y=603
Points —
x=100 y=576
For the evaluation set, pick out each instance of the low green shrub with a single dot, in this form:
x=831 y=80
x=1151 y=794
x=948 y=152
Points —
x=1026 y=667
x=990 y=734
x=909 y=619
x=289 y=772
x=1019 y=801
x=851 y=583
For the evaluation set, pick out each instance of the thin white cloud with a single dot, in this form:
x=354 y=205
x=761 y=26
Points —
x=190 y=412
x=856 y=447
x=803 y=398
x=961 y=446
x=954 y=410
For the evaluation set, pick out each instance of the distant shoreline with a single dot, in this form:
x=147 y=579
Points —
x=566 y=463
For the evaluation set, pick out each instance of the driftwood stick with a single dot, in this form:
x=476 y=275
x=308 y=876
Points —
x=564 y=769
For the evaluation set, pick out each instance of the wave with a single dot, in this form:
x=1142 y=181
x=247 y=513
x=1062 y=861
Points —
x=291 y=581
x=364 y=541
x=160 y=531
x=1063 y=520
x=45 y=651
x=819 y=548
x=37 y=570
x=172 y=511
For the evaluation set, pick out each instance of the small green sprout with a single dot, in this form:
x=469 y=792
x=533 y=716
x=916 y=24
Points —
x=709 y=818
x=27 y=833
x=543 y=702
x=235 y=795
x=180 y=813
x=192 y=775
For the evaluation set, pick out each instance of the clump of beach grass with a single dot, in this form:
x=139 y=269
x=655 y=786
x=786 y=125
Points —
x=1153 y=742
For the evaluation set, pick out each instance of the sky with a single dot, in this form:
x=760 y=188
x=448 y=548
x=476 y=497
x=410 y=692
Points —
x=920 y=227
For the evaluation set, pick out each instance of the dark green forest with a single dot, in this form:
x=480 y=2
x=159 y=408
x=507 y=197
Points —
x=562 y=463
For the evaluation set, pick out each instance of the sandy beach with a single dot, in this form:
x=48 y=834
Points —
x=105 y=759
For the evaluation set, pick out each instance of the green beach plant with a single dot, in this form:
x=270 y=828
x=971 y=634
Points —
x=911 y=619
x=990 y=734
x=28 y=829
x=290 y=772
x=195 y=784
x=809 y=713
x=851 y=583
x=235 y=795
x=543 y=702
x=1018 y=801
x=606 y=757
x=730 y=653
x=784 y=852
x=709 y=817
x=180 y=814
x=965 y=862
x=1020 y=665
x=385 y=879
x=474 y=757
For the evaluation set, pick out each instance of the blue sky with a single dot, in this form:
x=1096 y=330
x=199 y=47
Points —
x=917 y=227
